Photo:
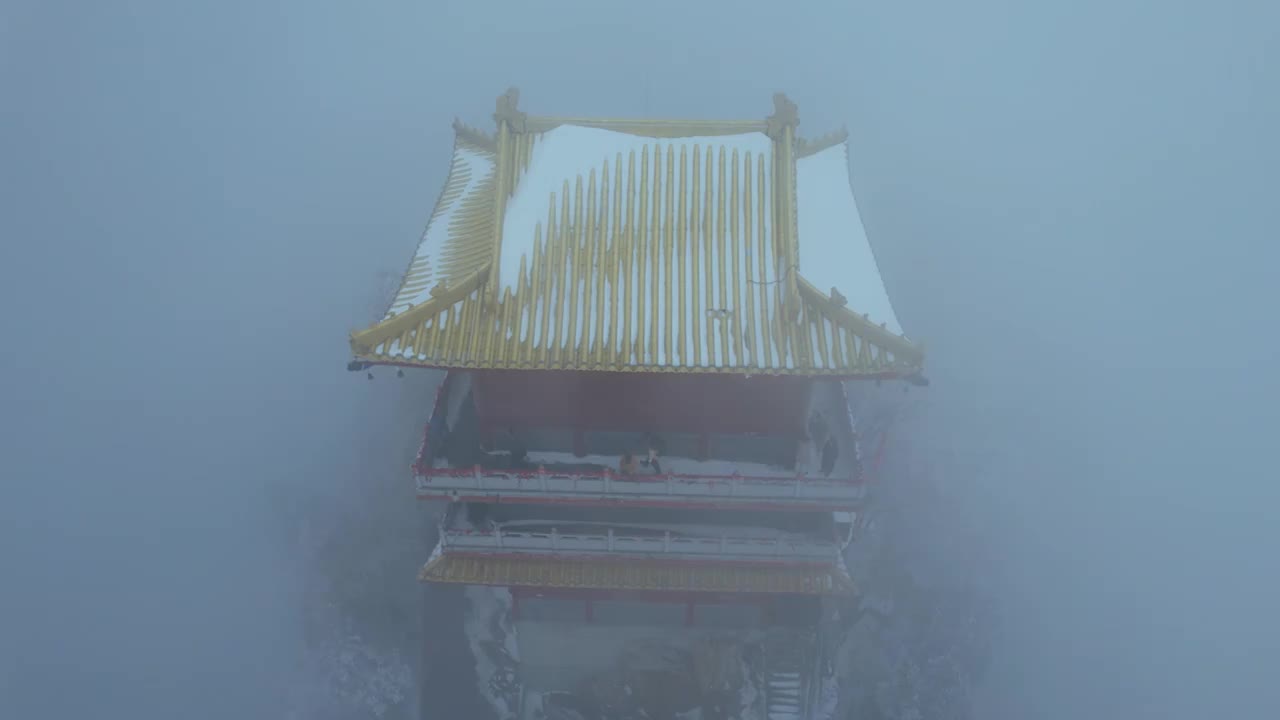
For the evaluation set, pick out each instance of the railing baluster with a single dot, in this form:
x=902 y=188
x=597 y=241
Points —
x=723 y=545
x=446 y=482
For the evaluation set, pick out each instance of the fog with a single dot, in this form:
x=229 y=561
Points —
x=1073 y=206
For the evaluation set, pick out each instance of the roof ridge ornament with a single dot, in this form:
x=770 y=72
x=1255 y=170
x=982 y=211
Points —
x=785 y=115
x=508 y=112
x=806 y=146
x=474 y=136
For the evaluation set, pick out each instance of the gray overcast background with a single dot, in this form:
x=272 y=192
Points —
x=1074 y=203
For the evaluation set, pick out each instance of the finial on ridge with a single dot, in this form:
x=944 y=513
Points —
x=785 y=115
x=507 y=110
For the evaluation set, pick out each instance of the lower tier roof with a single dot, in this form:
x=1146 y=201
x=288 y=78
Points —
x=630 y=574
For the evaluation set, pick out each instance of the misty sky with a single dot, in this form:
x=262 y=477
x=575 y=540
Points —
x=1074 y=205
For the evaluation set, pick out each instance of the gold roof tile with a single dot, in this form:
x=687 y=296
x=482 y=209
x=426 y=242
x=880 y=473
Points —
x=677 y=253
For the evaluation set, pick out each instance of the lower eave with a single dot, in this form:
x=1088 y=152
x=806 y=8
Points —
x=902 y=373
x=631 y=574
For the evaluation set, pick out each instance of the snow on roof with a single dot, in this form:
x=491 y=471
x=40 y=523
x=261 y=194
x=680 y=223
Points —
x=564 y=153
x=657 y=167
x=470 y=173
x=660 y=254
x=834 y=249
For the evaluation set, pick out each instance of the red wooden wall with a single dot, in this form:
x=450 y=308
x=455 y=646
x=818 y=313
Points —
x=642 y=402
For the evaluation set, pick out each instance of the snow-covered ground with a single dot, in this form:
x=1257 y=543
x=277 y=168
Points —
x=492 y=636
x=828 y=698
x=614 y=663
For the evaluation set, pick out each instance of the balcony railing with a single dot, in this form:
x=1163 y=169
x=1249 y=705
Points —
x=648 y=546
x=448 y=482
x=608 y=486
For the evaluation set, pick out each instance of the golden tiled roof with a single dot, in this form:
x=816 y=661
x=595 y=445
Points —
x=677 y=253
x=631 y=574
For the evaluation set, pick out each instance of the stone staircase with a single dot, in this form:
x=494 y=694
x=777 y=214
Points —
x=783 y=698
x=788 y=661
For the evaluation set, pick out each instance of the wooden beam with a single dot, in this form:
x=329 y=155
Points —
x=649 y=128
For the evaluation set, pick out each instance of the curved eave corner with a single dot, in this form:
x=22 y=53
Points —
x=834 y=253
x=467 y=340
x=908 y=355
x=370 y=345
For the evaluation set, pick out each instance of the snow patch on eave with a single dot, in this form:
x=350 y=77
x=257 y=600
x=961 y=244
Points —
x=477 y=166
x=834 y=248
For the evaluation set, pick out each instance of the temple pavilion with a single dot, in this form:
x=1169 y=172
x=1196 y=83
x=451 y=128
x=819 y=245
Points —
x=651 y=330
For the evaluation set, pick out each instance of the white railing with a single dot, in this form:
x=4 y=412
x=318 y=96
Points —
x=665 y=545
x=488 y=481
